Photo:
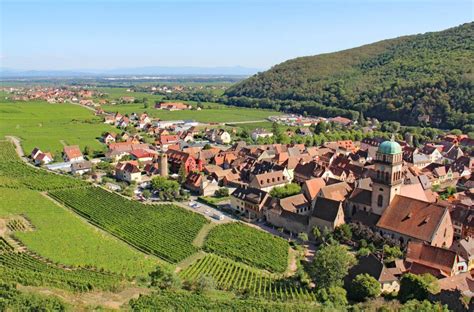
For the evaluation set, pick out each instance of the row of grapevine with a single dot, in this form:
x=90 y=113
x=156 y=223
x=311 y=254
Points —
x=14 y=173
x=234 y=276
x=20 y=267
x=166 y=231
x=249 y=245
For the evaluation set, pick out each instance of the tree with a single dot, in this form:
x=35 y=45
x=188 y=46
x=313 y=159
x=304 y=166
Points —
x=222 y=192
x=207 y=146
x=165 y=279
x=343 y=233
x=330 y=265
x=417 y=287
x=303 y=236
x=146 y=194
x=182 y=174
x=364 y=287
x=167 y=189
x=391 y=253
x=205 y=283
x=88 y=151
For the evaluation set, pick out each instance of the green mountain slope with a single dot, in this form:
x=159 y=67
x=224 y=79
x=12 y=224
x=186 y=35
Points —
x=398 y=79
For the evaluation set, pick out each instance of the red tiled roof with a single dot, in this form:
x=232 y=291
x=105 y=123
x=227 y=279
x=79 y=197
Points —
x=72 y=151
x=411 y=217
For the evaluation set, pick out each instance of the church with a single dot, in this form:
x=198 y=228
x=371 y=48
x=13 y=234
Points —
x=396 y=209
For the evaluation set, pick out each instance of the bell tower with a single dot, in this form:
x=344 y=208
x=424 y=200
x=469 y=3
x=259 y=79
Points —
x=388 y=180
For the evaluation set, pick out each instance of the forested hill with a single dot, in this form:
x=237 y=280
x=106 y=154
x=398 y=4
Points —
x=399 y=79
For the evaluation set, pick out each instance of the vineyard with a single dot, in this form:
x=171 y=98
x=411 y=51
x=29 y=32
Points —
x=249 y=245
x=166 y=231
x=22 y=268
x=187 y=301
x=234 y=276
x=14 y=173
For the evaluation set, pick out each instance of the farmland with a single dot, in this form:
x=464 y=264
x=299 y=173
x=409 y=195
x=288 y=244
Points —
x=186 y=301
x=218 y=113
x=45 y=125
x=231 y=275
x=249 y=245
x=14 y=173
x=23 y=268
x=166 y=231
x=62 y=237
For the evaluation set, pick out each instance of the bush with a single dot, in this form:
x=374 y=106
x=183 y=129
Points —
x=417 y=287
x=222 y=192
x=164 y=279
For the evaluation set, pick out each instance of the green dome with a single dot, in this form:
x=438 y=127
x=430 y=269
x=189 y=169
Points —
x=390 y=148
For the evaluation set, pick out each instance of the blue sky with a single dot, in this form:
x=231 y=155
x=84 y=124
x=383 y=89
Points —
x=116 y=34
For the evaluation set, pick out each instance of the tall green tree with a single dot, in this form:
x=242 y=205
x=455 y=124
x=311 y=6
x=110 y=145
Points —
x=330 y=265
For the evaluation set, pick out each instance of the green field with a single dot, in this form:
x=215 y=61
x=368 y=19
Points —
x=251 y=246
x=166 y=231
x=61 y=236
x=231 y=275
x=21 y=267
x=219 y=113
x=45 y=125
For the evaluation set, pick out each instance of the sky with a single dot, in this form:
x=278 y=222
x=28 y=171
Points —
x=106 y=34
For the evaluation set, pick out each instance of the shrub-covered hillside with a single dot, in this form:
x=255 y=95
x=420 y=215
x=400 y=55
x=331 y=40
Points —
x=399 y=79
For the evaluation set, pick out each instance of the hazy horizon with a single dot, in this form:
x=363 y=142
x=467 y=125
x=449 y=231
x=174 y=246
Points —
x=109 y=35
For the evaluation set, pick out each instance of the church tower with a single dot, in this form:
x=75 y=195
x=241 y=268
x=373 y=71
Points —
x=164 y=165
x=388 y=180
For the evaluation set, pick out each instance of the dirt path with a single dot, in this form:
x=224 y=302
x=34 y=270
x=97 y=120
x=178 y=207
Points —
x=201 y=236
x=87 y=300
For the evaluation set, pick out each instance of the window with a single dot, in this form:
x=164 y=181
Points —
x=380 y=200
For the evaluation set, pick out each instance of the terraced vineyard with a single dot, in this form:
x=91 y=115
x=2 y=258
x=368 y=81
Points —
x=22 y=268
x=166 y=231
x=249 y=245
x=231 y=275
x=14 y=173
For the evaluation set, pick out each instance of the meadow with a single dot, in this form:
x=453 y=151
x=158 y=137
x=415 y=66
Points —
x=218 y=113
x=62 y=237
x=48 y=126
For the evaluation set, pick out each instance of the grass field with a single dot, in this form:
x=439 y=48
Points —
x=45 y=125
x=251 y=246
x=61 y=236
x=220 y=113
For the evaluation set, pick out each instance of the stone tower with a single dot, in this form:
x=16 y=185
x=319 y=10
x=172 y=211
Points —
x=389 y=177
x=164 y=165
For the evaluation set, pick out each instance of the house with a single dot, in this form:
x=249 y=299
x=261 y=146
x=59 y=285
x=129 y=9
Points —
x=72 y=153
x=249 y=201
x=312 y=187
x=167 y=141
x=109 y=137
x=128 y=171
x=109 y=119
x=143 y=155
x=409 y=219
x=261 y=133
x=200 y=184
x=81 y=167
x=43 y=158
x=151 y=169
x=267 y=181
x=465 y=249
x=388 y=278
x=326 y=213
x=223 y=137
x=178 y=159
x=34 y=153
x=433 y=152
x=341 y=120
x=172 y=106
x=423 y=258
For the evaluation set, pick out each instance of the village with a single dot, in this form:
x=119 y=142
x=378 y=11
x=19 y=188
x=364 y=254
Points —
x=417 y=200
